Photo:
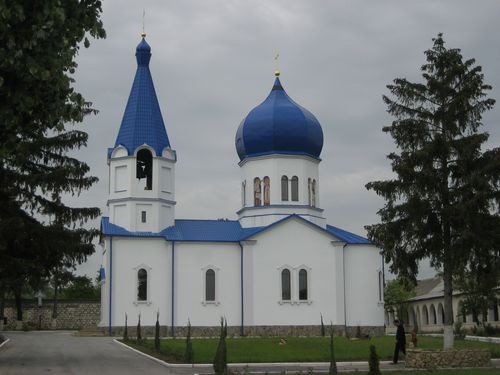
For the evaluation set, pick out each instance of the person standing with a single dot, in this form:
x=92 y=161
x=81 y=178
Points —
x=400 y=341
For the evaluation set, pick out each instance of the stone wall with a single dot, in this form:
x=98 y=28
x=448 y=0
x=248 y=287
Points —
x=232 y=331
x=71 y=314
x=416 y=358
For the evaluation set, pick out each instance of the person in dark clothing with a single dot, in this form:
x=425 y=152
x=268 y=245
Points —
x=400 y=341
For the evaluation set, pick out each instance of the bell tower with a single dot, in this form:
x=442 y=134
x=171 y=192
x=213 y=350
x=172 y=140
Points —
x=142 y=162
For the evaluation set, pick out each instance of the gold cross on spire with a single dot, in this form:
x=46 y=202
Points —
x=276 y=58
x=143 y=33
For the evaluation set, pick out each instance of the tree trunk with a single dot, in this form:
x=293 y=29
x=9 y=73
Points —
x=19 y=304
x=448 y=337
x=54 y=307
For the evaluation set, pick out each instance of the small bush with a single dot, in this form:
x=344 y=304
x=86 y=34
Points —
x=125 y=331
x=490 y=330
x=139 y=335
x=189 y=353
x=373 y=363
x=358 y=332
x=220 y=359
x=157 y=332
x=459 y=331
x=333 y=364
x=322 y=327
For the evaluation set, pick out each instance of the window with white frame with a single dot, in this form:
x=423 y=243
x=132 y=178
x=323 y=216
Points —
x=143 y=277
x=303 y=285
x=210 y=285
x=286 y=285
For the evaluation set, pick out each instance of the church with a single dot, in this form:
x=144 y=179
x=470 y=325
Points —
x=276 y=270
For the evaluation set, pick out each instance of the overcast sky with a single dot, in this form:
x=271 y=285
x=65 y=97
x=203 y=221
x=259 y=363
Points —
x=213 y=61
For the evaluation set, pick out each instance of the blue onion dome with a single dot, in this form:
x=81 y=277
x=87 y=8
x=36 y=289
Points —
x=143 y=52
x=279 y=126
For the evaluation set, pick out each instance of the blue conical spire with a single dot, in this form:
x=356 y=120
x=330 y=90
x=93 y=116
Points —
x=142 y=121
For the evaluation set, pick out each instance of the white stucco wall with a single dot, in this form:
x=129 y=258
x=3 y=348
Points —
x=192 y=259
x=362 y=266
x=296 y=245
x=130 y=254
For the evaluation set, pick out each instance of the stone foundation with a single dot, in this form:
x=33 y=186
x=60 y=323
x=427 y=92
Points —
x=429 y=359
x=235 y=331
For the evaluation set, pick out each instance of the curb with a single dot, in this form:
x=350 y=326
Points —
x=5 y=342
x=305 y=365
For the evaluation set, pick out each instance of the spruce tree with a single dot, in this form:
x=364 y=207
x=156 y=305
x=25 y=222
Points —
x=139 y=333
x=373 y=363
x=157 y=332
x=442 y=203
x=189 y=353
x=125 y=330
x=220 y=359
x=38 y=231
x=333 y=364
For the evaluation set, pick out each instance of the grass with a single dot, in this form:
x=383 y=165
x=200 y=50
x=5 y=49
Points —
x=297 y=349
x=444 y=372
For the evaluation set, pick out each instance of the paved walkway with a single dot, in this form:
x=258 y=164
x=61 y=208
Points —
x=61 y=353
x=58 y=353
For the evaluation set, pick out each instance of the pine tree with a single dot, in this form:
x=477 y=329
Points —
x=189 y=353
x=157 y=332
x=373 y=363
x=322 y=326
x=333 y=363
x=139 y=334
x=220 y=360
x=442 y=203
x=38 y=231
x=125 y=331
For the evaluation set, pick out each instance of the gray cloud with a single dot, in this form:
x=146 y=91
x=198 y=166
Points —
x=213 y=61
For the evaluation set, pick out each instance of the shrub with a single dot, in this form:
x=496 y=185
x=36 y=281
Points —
x=373 y=363
x=333 y=363
x=139 y=336
x=125 y=331
x=358 y=332
x=220 y=359
x=189 y=353
x=157 y=332
x=490 y=330
x=322 y=327
x=459 y=330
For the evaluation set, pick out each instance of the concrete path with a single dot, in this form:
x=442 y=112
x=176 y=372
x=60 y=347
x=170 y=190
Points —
x=60 y=353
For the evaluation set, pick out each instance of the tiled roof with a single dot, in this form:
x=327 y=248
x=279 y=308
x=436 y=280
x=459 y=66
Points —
x=142 y=121
x=220 y=231
x=346 y=236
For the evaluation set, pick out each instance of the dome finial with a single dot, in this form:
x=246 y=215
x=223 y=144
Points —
x=277 y=71
x=143 y=33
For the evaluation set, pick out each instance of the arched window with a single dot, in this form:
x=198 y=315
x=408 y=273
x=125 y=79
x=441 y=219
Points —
x=380 y=286
x=257 y=195
x=303 y=285
x=144 y=167
x=267 y=191
x=313 y=193
x=309 y=191
x=243 y=193
x=286 y=287
x=295 y=188
x=440 y=314
x=284 y=188
x=495 y=312
x=210 y=285
x=142 y=285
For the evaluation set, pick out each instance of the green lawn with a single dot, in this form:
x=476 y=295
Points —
x=297 y=349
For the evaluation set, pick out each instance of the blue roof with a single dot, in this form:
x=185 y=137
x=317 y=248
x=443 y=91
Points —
x=279 y=126
x=142 y=121
x=346 y=236
x=220 y=231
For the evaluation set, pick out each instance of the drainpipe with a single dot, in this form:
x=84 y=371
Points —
x=343 y=274
x=242 y=328
x=110 y=280
x=173 y=287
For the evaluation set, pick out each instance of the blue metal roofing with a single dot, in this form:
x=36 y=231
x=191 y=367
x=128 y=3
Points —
x=221 y=231
x=142 y=121
x=279 y=126
x=346 y=236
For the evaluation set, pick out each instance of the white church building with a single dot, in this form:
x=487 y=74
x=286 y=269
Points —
x=275 y=270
